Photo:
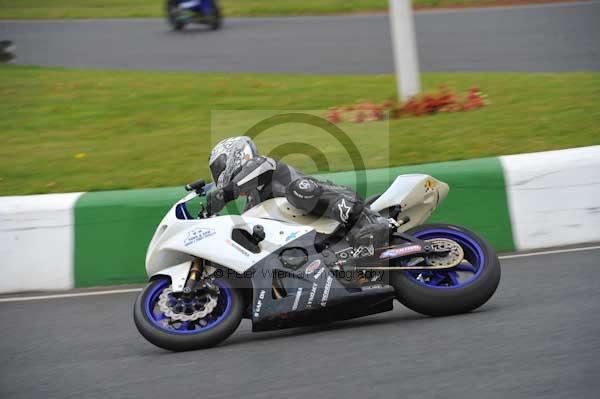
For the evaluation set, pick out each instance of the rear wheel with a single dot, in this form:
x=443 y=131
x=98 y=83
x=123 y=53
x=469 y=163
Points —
x=215 y=19
x=460 y=289
x=201 y=320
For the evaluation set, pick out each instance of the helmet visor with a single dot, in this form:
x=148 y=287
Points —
x=218 y=166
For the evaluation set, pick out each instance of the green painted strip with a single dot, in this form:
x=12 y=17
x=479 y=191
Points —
x=113 y=228
x=477 y=198
x=112 y=231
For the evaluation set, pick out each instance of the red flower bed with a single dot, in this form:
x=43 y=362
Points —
x=444 y=100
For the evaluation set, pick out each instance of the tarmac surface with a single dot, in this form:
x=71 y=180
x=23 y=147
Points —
x=538 y=337
x=537 y=38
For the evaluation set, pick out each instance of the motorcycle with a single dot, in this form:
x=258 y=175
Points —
x=281 y=267
x=7 y=49
x=183 y=12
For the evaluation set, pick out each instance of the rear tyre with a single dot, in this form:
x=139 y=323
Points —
x=216 y=19
x=161 y=330
x=450 y=291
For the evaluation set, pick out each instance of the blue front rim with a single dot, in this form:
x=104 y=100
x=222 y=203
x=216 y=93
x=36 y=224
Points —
x=161 y=321
x=463 y=274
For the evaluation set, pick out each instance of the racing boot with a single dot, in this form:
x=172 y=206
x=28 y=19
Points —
x=369 y=231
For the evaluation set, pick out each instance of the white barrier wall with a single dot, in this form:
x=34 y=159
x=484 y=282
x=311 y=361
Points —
x=36 y=242
x=554 y=197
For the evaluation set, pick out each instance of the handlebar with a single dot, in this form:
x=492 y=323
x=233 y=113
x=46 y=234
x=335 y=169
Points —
x=200 y=188
x=196 y=186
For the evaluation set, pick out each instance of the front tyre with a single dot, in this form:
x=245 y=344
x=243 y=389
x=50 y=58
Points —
x=175 y=16
x=178 y=323
x=460 y=289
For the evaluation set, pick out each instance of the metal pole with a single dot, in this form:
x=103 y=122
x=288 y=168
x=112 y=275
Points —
x=405 y=49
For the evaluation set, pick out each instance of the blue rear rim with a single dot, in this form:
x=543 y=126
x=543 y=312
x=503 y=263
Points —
x=457 y=277
x=163 y=322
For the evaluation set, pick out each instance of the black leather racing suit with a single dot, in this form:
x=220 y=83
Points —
x=262 y=178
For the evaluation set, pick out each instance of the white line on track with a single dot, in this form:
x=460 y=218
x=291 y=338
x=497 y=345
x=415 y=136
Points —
x=556 y=251
x=128 y=290
x=74 y=294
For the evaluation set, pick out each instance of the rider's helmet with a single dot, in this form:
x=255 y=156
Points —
x=228 y=157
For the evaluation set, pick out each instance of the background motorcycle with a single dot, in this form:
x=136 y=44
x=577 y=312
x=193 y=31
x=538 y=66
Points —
x=183 y=12
x=280 y=267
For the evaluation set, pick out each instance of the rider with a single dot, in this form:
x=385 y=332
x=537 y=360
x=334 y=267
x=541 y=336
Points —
x=238 y=169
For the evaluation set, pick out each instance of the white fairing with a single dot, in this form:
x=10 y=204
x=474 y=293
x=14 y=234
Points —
x=280 y=209
x=176 y=241
x=417 y=195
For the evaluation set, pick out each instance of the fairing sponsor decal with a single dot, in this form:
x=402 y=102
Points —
x=198 y=234
x=318 y=274
x=292 y=236
x=297 y=298
x=429 y=185
x=314 y=265
x=261 y=296
x=396 y=252
x=238 y=247
x=311 y=297
x=326 y=291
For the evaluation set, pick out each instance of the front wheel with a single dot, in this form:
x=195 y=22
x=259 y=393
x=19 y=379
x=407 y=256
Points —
x=175 y=16
x=179 y=323
x=460 y=289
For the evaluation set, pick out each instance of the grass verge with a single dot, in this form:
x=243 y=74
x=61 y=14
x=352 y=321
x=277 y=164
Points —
x=64 y=9
x=72 y=130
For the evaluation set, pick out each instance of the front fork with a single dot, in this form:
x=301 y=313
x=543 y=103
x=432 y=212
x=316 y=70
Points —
x=194 y=276
x=198 y=279
x=186 y=275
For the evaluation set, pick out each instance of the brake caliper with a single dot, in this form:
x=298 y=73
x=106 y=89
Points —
x=181 y=308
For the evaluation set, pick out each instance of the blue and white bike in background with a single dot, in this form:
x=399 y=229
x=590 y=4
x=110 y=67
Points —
x=183 y=12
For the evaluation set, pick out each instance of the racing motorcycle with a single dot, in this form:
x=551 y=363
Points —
x=183 y=12
x=281 y=267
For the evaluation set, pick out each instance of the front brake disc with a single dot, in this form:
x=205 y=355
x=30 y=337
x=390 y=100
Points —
x=209 y=305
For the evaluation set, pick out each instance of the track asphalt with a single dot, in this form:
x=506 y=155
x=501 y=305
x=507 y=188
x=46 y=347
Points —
x=539 y=38
x=538 y=337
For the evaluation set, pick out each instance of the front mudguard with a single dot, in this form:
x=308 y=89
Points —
x=178 y=275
